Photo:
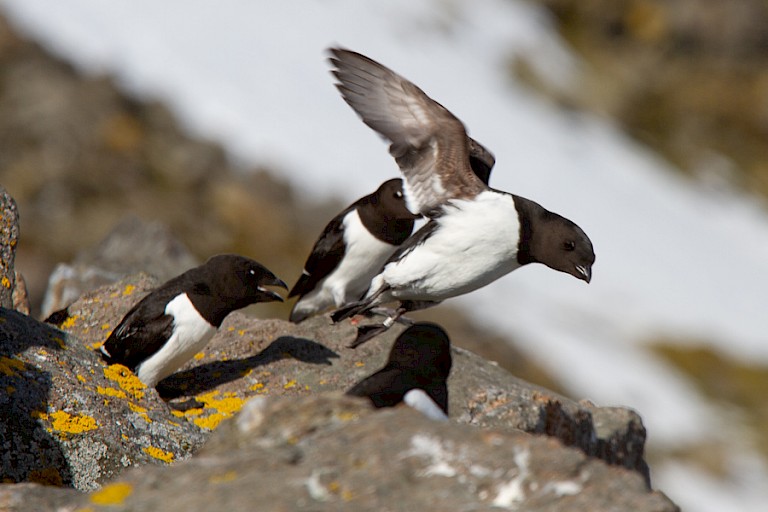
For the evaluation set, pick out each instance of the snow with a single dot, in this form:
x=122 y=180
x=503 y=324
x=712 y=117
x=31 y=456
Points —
x=675 y=259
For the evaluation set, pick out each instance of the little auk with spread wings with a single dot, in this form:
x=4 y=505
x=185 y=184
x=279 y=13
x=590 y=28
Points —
x=176 y=320
x=475 y=234
x=416 y=372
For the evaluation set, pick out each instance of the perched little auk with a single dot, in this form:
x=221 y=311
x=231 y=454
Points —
x=351 y=250
x=475 y=234
x=175 y=321
x=416 y=372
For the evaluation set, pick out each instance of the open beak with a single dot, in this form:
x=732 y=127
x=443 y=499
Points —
x=269 y=295
x=583 y=272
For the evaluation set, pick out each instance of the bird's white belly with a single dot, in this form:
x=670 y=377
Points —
x=474 y=245
x=191 y=332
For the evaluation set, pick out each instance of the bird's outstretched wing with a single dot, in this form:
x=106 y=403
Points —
x=429 y=143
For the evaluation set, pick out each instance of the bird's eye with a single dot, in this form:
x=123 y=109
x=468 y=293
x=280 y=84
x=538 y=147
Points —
x=252 y=272
x=570 y=245
x=398 y=194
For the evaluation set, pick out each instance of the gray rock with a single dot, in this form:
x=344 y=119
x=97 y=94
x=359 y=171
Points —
x=9 y=237
x=132 y=246
x=331 y=452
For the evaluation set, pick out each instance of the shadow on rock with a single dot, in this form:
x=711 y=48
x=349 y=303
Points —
x=210 y=375
x=29 y=451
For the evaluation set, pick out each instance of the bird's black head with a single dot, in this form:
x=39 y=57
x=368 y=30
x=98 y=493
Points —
x=551 y=239
x=385 y=214
x=423 y=347
x=239 y=281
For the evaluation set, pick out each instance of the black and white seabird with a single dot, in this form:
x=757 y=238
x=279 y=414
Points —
x=475 y=234
x=351 y=250
x=175 y=321
x=416 y=372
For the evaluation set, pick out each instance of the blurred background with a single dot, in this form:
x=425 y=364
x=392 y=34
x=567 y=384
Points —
x=644 y=121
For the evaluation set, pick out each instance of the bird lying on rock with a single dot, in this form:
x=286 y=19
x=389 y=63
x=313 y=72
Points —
x=475 y=234
x=176 y=320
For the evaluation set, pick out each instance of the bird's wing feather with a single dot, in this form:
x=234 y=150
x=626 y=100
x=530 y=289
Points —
x=429 y=143
x=326 y=255
x=134 y=338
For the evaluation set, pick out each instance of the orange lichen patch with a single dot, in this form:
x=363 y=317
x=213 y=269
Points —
x=80 y=378
x=347 y=416
x=97 y=345
x=117 y=393
x=241 y=332
x=226 y=406
x=128 y=290
x=10 y=367
x=223 y=478
x=230 y=329
x=127 y=381
x=199 y=356
x=47 y=476
x=359 y=364
x=192 y=412
x=69 y=322
x=141 y=411
x=104 y=327
x=62 y=421
x=290 y=384
x=112 y=494
x=256 y=387
x=159 y=454
x=6 y=282
x=179 y=414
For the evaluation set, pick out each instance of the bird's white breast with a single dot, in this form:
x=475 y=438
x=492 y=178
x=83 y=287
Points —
x=476 y=243
x=191 y=332
x=422 y=402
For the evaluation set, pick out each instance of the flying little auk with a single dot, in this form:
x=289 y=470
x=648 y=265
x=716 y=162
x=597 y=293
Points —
x=416 y=372
x=475 y=234
x=175 y=321
x=351 y=250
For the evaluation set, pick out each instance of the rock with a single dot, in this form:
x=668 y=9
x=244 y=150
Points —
x=251 y=357
x=331 y=452
x=66 y=419
x=9 y=237
x=132 y=246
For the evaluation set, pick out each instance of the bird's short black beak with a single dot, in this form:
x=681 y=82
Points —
x=269 y=295
x=583 y=272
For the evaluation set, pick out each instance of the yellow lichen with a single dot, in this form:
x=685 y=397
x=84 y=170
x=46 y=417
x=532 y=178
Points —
x=10 y=390
x=225 y=407
x=112 y=494
x=256 y=386
x=62 y=421
x=6 y=282
x=128 y=290
x=117 y=393
x=136 y=408
x=289 y=384
x=60 y=342
x=359 y=364
x=199 y=355
x=80 y=378
x=210 y=422
x=10 y=366
x=47 y=476
x=69 y=322
x=104 y=327
x=126 y=380
x=223 y=478
x=97 y=345
x=179 y=414
x=192 y=412
x=159 y=454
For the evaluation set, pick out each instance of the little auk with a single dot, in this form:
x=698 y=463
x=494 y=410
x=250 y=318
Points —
x=175 y=321
x=475 y=234
x=415 y=373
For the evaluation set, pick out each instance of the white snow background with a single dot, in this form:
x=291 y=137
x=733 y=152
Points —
x=675 y=258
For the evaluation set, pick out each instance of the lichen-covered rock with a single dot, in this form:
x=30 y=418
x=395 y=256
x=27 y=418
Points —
x=252 y=357
x=9 y=237
x=330 y=452
x=67 y=419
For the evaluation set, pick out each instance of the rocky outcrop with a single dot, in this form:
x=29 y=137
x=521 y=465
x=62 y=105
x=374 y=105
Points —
x=70 y=420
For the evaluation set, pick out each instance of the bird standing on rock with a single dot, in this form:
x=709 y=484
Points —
x=475 y=234
x=176 y=320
